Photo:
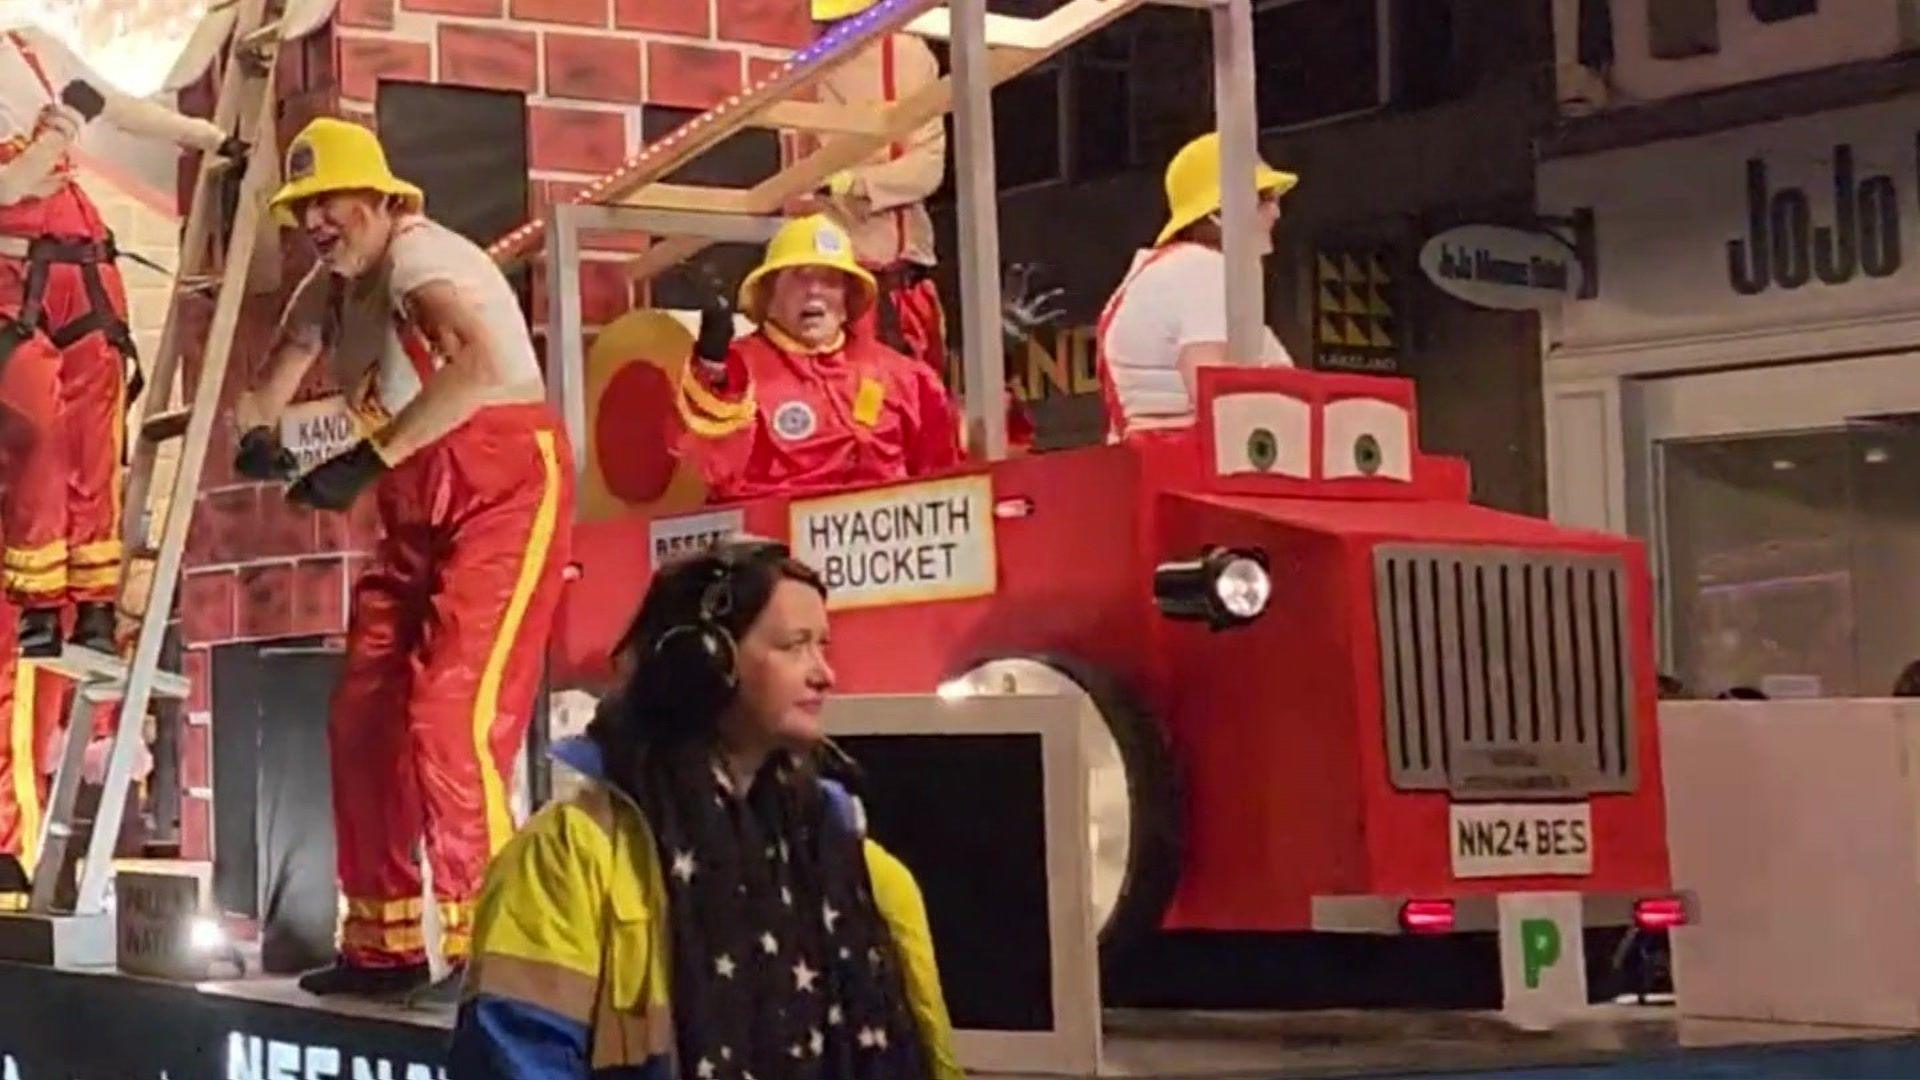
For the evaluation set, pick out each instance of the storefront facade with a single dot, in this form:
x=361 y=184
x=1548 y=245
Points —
x=1743 y=391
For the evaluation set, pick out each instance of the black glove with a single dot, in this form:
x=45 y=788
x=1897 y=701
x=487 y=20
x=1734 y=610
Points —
x=334 y=485
x=261 y=456
x=234 y=148
x=83 y=99
x=716 y=331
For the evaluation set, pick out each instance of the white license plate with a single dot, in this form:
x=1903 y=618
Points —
x=1520 y=839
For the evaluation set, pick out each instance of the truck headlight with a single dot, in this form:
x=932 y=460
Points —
x=1224 y=587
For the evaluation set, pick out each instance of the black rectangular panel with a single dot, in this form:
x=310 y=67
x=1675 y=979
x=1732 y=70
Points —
x=967 y=814
x=466 y=148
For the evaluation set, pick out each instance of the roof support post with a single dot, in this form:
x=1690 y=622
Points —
x=1234 y=109
x=984 y=372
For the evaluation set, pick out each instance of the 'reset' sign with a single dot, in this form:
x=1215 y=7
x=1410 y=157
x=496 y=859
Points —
x=919 y=542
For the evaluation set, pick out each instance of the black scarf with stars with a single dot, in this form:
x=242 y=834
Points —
x=782 y=963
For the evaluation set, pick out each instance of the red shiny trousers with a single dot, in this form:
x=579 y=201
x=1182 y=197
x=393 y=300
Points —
x=62 y=427
x=444 y=651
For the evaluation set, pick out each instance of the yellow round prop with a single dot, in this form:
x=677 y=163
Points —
x=633 y=367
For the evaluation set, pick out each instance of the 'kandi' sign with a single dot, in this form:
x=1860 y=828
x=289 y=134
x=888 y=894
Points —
x=931 y=541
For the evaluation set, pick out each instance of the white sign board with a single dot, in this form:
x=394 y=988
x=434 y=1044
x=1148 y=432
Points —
x=318 y=431
x=1520 y=839
x=1789 y=225
x=672 y=536
x=1493 y=266
x=1543 y=959
x=900 y=545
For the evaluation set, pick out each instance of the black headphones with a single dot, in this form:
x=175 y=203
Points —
x=703 y=652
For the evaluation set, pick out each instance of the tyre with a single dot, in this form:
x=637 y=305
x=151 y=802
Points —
x=1133 y=799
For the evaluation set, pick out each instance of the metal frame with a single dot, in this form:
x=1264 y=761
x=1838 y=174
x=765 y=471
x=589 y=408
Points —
x=986 y=50
x=1073 y=1046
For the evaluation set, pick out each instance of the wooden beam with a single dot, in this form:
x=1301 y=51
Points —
x=695 y=197
x=666 y=254
x=823 y=119
x=1068 y=24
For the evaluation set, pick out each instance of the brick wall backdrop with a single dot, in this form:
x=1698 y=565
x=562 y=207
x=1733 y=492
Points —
x=597 y=74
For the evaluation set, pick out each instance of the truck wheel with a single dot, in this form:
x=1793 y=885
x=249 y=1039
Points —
x=1133 y=802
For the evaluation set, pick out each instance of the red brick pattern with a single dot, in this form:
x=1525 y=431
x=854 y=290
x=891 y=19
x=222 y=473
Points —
x=197 y=666
x=196 y=755
x=370 y=14
x=196 y=828
x=282 y=528
x=266 y=601
x=208 y=604
x=687 y=17
x=224 y=529
x=692 y=76
x=574 y=12
x=488 y=58
x=492 y=9
x=365 y=61
x=576 y=140
x=592 y=67
x=766 y=22
x=320 y=596
x=760 y=69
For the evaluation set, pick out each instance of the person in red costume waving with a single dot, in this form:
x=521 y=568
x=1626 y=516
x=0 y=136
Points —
x=800 y=406
x=64 y=342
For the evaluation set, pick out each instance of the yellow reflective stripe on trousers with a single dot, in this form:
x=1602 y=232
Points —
x=44 y=557
x=96 y=553
x=385 y=911
x=486 y=700
x=26 y=793
x=42 y=582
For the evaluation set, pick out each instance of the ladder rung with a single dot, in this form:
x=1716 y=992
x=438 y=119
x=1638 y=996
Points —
x=166 y=425
x=200 y=283
x=105 y=677
x=147 y=552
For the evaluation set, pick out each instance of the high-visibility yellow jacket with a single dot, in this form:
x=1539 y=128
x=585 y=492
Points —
x=571 y=954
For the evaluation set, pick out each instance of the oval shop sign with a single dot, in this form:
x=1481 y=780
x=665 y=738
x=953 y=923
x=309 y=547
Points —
x=1494 y=266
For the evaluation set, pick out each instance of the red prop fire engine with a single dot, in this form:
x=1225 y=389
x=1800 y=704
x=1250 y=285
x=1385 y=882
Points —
x=1331 y=693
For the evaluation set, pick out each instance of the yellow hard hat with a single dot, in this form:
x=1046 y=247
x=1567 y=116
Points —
x=809 y=241
x=829 y=10
x=336 y=155
x=1193 y=183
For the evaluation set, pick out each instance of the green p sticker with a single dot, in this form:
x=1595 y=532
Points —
x=1539 y=948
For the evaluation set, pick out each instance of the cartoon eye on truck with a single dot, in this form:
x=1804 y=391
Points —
x=1328 y=692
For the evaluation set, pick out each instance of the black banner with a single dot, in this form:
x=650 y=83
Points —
x=64 y=1026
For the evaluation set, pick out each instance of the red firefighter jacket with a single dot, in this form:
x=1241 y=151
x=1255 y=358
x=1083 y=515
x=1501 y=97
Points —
x=780 y=420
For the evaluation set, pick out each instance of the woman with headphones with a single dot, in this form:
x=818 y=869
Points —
x=708 y=855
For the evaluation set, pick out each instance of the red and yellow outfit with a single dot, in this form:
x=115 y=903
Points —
x=782 y=419
x=63 y=389
x=881 y=202
x=450 y=619
x=33 y=704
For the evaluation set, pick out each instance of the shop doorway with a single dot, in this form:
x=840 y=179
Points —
x=1784 y=506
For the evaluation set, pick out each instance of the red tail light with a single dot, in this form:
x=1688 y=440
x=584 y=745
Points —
x=1659 y=913
x=1427 y=916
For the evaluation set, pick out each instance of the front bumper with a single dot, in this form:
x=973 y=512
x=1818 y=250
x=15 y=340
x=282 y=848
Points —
x=1475 y=912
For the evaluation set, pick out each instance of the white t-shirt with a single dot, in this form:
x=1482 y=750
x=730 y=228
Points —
x=369 y=359
x=1174 y=297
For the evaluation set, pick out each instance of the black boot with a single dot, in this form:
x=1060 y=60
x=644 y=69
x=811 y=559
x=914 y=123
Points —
x=444 y=994
x=40 y=633
x=345 y=978
x=93 y=626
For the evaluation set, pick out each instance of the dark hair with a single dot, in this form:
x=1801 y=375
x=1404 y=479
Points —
x=651 y=705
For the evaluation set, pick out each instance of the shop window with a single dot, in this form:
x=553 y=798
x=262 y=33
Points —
x=1773 y=11
x=1789 y=559
x=1677 y=29
x=441 y=137
x=1319 y=60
